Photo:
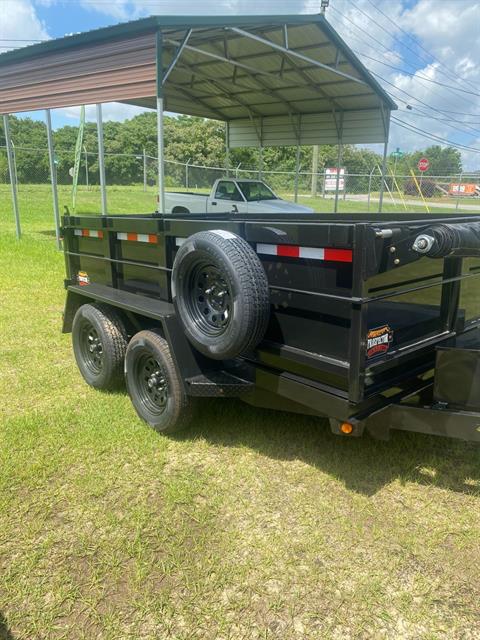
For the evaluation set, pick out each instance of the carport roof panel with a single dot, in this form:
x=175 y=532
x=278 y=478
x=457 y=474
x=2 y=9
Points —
x=231 y=68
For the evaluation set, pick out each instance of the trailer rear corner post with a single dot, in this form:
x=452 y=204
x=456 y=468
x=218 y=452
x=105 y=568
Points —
x=101 y=159
x=53 y=177
x=13 y=176
x=160 y=129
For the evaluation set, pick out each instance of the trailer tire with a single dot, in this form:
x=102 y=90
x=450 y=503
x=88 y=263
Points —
x=153 y=384
x=99 y=341
x=220 y=292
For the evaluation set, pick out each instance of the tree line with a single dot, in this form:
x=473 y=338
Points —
x=187 y=139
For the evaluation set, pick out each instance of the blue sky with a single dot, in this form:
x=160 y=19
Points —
x=414 y=47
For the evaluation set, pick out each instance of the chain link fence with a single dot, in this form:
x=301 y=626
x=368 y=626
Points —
x=132 y=185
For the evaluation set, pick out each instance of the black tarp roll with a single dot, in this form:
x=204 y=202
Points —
x=454 y=240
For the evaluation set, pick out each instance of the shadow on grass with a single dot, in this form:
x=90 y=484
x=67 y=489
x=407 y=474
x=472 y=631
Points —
x=5 y=633
x=363 y=464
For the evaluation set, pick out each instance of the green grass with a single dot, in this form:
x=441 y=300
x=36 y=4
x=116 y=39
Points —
x=252 y=524
x=37 y=199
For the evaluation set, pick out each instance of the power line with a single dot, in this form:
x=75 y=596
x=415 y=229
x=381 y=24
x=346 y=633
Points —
x=453 y=74
x=432 y=136
x=415 y=75
x=387 y=50
x=418 y=99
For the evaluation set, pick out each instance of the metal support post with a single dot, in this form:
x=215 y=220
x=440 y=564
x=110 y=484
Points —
x=144 y=170
x=458 y=192
x=260 y=164
x=315 y=157
x=227 y=149
x=386 y=124
x=370 y=187
x=161 y=154
x=13 y=177
x=86 y=168
x=53 y=177
x=337 y=185
x=101 y=160
x=297 y=171
x=187 y=176
x=160 y=127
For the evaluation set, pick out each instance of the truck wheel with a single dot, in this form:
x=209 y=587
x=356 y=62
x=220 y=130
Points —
x=99 y=343
x=153 y=384
x=220 y=292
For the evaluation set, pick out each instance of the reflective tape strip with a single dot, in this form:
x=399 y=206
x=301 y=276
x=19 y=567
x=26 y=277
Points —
x=88 y=233
x=311 y=253
x=294 y=251
x=150 y=238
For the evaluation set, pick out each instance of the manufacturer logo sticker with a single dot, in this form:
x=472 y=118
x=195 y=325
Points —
x=379 y=341
x=83 y=278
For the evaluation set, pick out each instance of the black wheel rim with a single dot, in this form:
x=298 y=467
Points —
x=151 y=381
x=210 y=300
x=92 y=348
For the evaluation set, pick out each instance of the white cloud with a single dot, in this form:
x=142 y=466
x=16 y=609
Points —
x=20 y=23
x=449 y=31
x=110 y=111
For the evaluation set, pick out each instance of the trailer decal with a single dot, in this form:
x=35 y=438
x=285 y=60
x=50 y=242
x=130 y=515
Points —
x=379 y=341
x=83 y=278
x=88 y=233
x=150 y=238
x=312 y=253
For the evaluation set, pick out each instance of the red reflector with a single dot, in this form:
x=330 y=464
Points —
x=288 y=251
x=100 y=234
x=85 y=233
x=132 y=236
x=339 y=255
x=153 y=238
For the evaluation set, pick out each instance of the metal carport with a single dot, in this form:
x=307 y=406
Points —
x=275 y=80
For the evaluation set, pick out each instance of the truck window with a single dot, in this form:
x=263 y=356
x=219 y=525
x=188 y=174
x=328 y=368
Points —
x=227 y=190
x=255 y=191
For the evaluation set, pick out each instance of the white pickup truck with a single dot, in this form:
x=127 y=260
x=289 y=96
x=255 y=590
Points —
x=237 y=196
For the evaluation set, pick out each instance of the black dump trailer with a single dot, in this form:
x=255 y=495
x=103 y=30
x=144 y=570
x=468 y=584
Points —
x=372 y=321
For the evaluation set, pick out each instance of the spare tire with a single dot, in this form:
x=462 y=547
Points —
x=220 y=292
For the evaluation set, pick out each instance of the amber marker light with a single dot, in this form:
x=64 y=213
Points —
x=346 y=428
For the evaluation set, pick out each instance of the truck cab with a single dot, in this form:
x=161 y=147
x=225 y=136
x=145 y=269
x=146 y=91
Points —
x=232 y=196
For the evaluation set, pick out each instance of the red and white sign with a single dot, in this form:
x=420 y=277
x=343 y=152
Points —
x=331 y=179
x=423 y=164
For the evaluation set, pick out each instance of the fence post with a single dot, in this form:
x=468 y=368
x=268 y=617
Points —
x=370 y=187
x=86 y=168
x=14 y=155
x=337 y=185
x=144 y=170
x=297 y=171
x=53 y=177
x=458 y=192
x=315 y=155
x=13 y=177
x=186 y=174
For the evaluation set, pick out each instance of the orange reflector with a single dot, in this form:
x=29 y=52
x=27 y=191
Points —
x=346 y=428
